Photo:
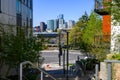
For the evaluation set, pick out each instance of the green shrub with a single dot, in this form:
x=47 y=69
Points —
x=114 y=57
x=32 y=77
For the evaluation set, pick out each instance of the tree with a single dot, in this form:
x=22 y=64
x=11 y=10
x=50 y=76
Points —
x=115 y=10
x=77 y=31
x=19 y=48
x=92 y=31
x=94 y=26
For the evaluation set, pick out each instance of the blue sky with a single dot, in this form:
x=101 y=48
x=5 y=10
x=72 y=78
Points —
x=44 y=10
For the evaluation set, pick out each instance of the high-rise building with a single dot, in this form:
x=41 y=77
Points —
x=17 y=13
x=60 y=16
x=61 y=23
x=36 y=29
x=42 y=27
x=50 y=25
x=71 y=23
x=65 y=25
x=56 y=24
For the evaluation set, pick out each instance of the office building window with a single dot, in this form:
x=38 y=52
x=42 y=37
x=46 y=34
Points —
x=18 y=7
x=31 y=14
x=0 y=6
x=31 y=4
x=27 y=3
x=31 y=23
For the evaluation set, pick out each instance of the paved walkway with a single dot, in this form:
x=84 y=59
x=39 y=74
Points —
x=70 y=51
x=57 y=71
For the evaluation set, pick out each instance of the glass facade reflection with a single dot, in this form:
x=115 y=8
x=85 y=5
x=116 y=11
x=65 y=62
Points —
x=50 y=25
x=18 y=7
x=0 y=6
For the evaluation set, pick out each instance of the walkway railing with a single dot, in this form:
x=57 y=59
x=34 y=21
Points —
x=42 y=71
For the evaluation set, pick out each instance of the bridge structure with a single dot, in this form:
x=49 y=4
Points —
x=46 y=34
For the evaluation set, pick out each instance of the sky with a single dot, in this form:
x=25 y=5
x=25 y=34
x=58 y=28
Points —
x=44 y=10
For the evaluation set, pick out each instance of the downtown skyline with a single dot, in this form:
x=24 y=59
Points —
x=44 y=10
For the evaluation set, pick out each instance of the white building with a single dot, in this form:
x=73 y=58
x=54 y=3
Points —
x=115 y=41
x=71 y=23
x=61 y=23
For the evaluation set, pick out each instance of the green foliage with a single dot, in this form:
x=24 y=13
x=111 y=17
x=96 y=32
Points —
x=77 y=32
x=19 y=48
x=32 y=76
x=94 y=27
x=83 y=34
x=115 y=10
x=115 y=57
x=89 y=64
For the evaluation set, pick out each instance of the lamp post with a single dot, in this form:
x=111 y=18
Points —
x=64 y=62
x=60 y=51
x=67 y=53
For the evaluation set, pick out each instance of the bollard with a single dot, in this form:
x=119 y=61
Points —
x=96 y=72
x=109 y=71
x=41 y=75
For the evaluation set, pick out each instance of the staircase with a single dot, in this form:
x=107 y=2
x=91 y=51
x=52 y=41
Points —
x=58 y=74
x=41 y=70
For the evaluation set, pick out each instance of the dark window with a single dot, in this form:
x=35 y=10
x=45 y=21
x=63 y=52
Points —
x=31 y=4
x=19 y=20
x=27 y=27
x=27 y=3
x=0 y=6
x=31 y=23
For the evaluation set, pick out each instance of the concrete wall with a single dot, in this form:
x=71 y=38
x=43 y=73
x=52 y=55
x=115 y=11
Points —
x=8 y=15
x=103 y=71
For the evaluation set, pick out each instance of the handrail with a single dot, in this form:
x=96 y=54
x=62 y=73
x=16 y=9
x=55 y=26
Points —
x=28 y=62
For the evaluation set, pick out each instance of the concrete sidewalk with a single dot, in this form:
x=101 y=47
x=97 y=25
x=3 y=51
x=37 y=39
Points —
x=70 y=51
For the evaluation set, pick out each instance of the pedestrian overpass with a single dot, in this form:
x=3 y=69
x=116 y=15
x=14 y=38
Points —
x=46 y=34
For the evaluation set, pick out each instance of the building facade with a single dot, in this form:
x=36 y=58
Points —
x=42 y=27
x=18 y=14
x=111 y=32
x=71 y=23
x=50 y=25
x=60 y=16
x=61 y=23
x=56 y=24
x=36 y=29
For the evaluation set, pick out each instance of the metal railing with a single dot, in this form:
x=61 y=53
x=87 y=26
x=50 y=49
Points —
x=42 y=71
